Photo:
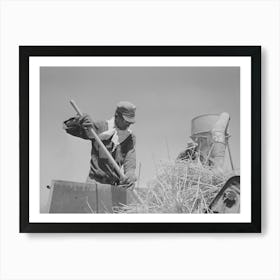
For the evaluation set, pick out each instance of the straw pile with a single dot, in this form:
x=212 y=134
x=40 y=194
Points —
x=181 y=186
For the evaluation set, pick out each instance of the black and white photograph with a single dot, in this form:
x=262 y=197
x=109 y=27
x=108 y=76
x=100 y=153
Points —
x=170 y=139
x=142 y=139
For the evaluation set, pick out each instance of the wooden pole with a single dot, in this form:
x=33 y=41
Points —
x=102 y=146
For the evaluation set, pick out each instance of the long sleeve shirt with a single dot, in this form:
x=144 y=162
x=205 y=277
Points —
x=100 y=168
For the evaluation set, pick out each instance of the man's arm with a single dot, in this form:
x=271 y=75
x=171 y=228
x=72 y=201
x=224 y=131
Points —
x=129 y=165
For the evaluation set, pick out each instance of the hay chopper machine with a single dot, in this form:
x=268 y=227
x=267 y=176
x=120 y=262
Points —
x=210 y=141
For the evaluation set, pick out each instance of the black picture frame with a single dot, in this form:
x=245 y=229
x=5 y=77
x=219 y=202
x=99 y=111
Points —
x=254 y=52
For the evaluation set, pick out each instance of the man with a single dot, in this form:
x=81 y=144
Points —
x=190 y=152
x=117 y=138
x=209 y=146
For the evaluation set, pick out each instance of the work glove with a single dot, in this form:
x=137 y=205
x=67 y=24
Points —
x=128 y=182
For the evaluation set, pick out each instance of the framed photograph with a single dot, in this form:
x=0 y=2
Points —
x=140 y=138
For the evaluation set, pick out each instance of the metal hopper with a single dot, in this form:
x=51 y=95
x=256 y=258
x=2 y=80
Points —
x=210 y=133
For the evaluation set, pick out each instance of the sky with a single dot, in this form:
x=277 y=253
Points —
x=166 y=99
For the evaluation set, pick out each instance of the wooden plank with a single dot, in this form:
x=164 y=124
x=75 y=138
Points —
x=73 y=197
x=50 y=199
x=104 y=198
x=119 y=196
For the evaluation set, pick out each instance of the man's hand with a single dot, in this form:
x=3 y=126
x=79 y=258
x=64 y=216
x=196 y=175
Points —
x=128 y=181
x=86 y=121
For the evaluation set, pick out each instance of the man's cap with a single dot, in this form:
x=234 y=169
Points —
x=127 y=110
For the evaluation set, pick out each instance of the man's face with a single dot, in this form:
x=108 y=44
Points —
x=121 y=123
